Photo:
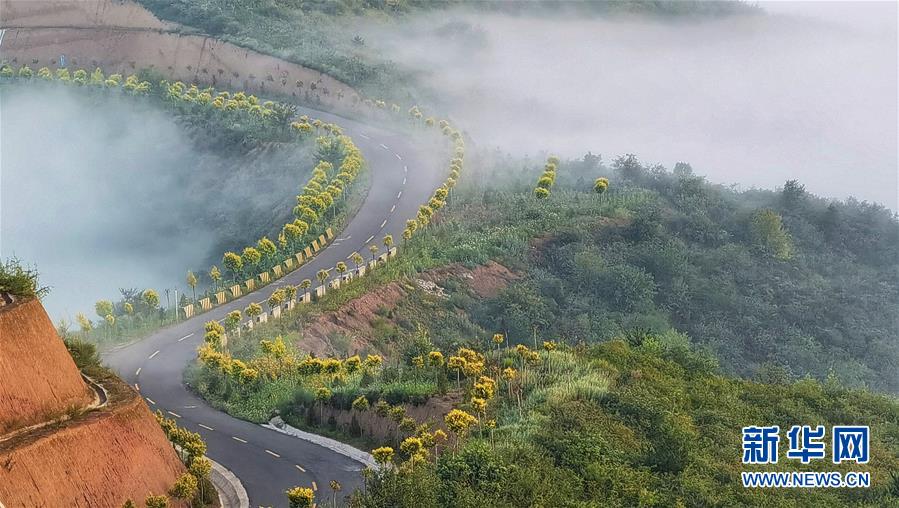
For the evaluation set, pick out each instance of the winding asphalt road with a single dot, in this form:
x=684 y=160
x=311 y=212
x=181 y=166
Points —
x=268 y=462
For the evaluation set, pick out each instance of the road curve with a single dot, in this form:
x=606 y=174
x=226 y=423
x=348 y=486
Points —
x=268 y=462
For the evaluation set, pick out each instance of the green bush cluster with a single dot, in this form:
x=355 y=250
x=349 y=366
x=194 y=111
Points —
x=665 y=431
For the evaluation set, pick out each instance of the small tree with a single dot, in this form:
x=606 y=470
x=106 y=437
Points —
x=192 y=282
x=322 y=276
x=232 y=320
x=458 y=364
x=156 y=501
x=253 y=310
x=290 y=293
x=200 y=467
x=373 y=249
x=383 y=455
x=185 y=487
x=103 y=308
x=357 y=259
x=151 y=298
x=300 y=497
x=335 y=489
x=459 y=422
x=322 y=395
x=251 y=257
x=215 y=275
x=276 y=299
x=498 y=339
x=306 y=284
x=341 y=268
x=234 y=263
x=360 y=405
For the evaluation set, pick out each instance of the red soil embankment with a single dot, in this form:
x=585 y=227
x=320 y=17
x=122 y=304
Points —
x=355 y=318
x=80 y=13
x=99 y=459
x=38 y=380
x=96 y=458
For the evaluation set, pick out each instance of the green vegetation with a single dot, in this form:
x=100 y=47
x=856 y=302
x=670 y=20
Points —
x=193 y=487
x=646 y=421
x=251 y=379
x=634 y=293
x=20 y=281
x=773 y=283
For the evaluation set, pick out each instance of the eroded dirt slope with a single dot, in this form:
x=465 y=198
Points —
x=38 y=380
x=355 y=318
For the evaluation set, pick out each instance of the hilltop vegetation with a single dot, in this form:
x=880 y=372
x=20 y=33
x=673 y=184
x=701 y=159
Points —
x=652 y=289
x=20 y=281
x=646 y=422
x=777 y=284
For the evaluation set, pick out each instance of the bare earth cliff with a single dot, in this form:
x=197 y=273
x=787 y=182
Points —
x=60 y=445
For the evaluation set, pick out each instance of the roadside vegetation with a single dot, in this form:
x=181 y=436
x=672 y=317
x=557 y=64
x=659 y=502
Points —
x=637 y=421
x=607 y=365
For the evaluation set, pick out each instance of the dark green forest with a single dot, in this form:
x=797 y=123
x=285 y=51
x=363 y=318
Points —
x=776 y=284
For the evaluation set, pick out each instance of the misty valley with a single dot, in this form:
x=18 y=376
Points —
x=456 y=254
x=143 y=194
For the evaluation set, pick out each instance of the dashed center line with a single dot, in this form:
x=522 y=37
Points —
x=206 y=427
x=176 y=415
x=370 y=238
x=383 y=223
x=384 y=146
x=314 y=486
x=404 y=180
x=397 y=156
x=137 y=373
x=273 y=454
x=239 y=439
x=185 y=337
x=392 y=208
x=405 y=169
x=364 y=136
x=136 y=386
x=154 y=354
x=398 y=195
x=151 y=401
x=300 y=468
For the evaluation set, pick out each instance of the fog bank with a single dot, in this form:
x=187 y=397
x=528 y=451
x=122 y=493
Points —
x=101 y=193
x=807 y=91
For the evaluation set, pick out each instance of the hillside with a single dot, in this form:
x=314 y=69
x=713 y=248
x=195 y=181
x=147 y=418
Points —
x=676 y=310
x=79 y=448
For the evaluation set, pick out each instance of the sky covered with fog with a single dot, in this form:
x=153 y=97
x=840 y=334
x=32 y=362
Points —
x=99 y=198
x=807 y=91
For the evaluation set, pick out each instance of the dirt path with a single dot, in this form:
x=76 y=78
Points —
x=123 y=37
